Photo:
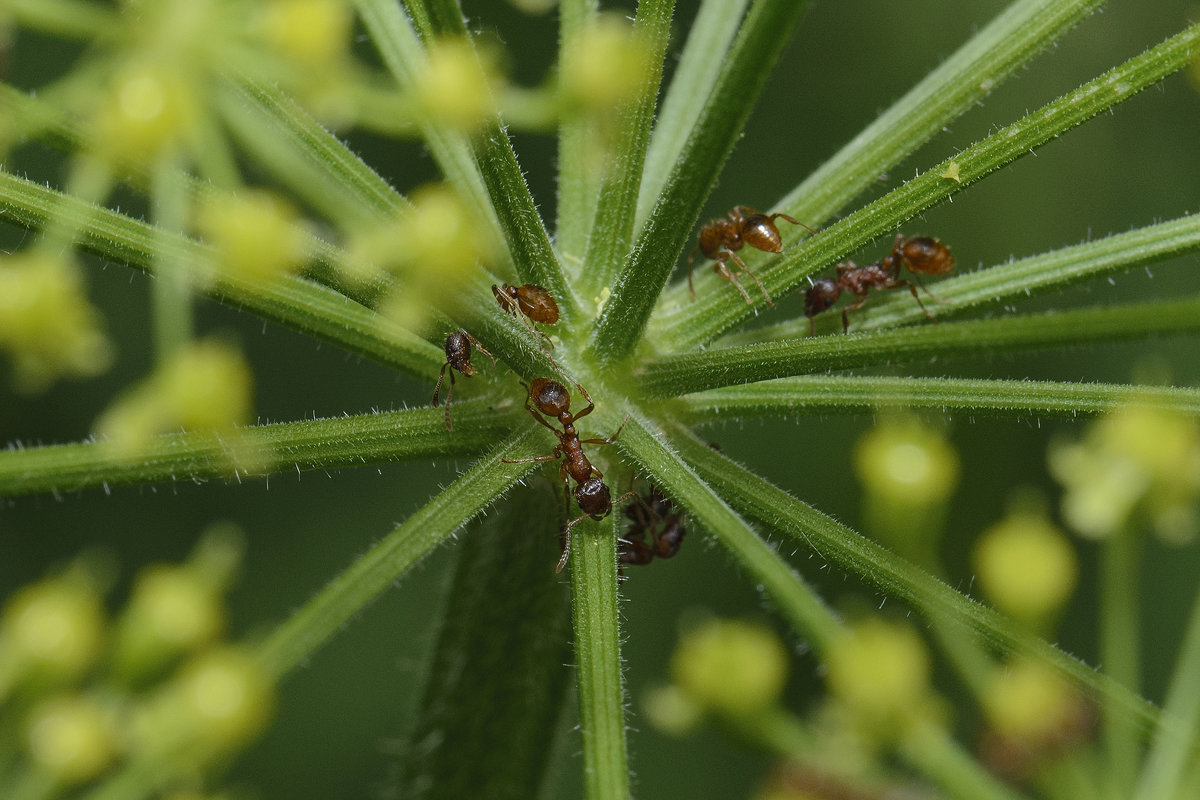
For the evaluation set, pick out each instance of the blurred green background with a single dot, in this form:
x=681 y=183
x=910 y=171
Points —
x=341 y=715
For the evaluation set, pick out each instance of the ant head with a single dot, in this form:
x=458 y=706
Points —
x=760 y=232
x=536 y=303
x=820 y=296
x=594 y=498
x=458 y=352
x=926 y=255
x=550 y=397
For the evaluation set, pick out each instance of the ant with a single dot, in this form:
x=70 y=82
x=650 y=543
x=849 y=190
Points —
x=535 y=303
x=458 y=357
x=646 y=515
x=921 y=254
x=721 y=237
x=552 y=399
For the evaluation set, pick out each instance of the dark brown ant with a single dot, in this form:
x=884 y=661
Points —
x=552 y=399
x=534 y=303
x=721 y=238
x=921 y=254
x=458 y=357
x=651 y=515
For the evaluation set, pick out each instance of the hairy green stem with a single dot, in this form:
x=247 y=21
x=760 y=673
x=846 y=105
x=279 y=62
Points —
x=262 y=450
x=612 y=229
x=598 y=660
x=974 y=398
x=706 y=369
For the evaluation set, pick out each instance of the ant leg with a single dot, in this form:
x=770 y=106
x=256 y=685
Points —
x=724 y=272
x=773 y=217
x=529 y=460
x=610 y=440
x=921 y=283
x=475 y=343
x=437 y=389
x=917 y=297
x=742 y=264
x=590 y=406
x=862 y=298
x=449 y=392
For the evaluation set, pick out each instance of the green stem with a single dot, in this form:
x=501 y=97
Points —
x=283 y=448
x=1179 y=725
x=687 y=324
x=978 y=398
x=932 y=751
x=1120 y=563
x=705 y=369
x=612 y=229
x=504 y=582
x=578 y=182
x=644 y=273
x=357 y=586
x=598 y=660
x=788 y=591
x=695 y=77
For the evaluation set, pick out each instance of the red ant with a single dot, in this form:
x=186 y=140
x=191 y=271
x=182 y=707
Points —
x=921 y=254
x=534 y=303
x=721 y=237
x=552 y=399
x=646 y=516
x=458 y=357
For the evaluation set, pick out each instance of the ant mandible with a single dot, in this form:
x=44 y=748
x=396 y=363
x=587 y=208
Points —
x=920 y=254
x=552 y=399
x=458 y=357
x=721 y=237
x=534 y=303
x=651 y=515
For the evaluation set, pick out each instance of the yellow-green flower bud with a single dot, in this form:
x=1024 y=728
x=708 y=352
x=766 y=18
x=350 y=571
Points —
x=71 y=739
x=880 y=673
x=226 y=696
x=312 y=33
x=1029 y=701
x=453 y=89
x=907 y=464
x=730 y=667
x=172 y=610
x=1026 y=566
x=46 y=323
x=255 y=233
x=206 y=386
x=909 y=472
x=672 y=710
x=216 y=703
x=604 y=65
x=148 y=109
x=53 y=630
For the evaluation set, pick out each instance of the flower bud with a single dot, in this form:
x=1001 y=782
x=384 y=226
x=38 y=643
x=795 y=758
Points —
x=1026 y=566
x=53 y=630
x=880 y=673
x=71 y=739
x=254 y=233
x=46 y=323
x=729 y=667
